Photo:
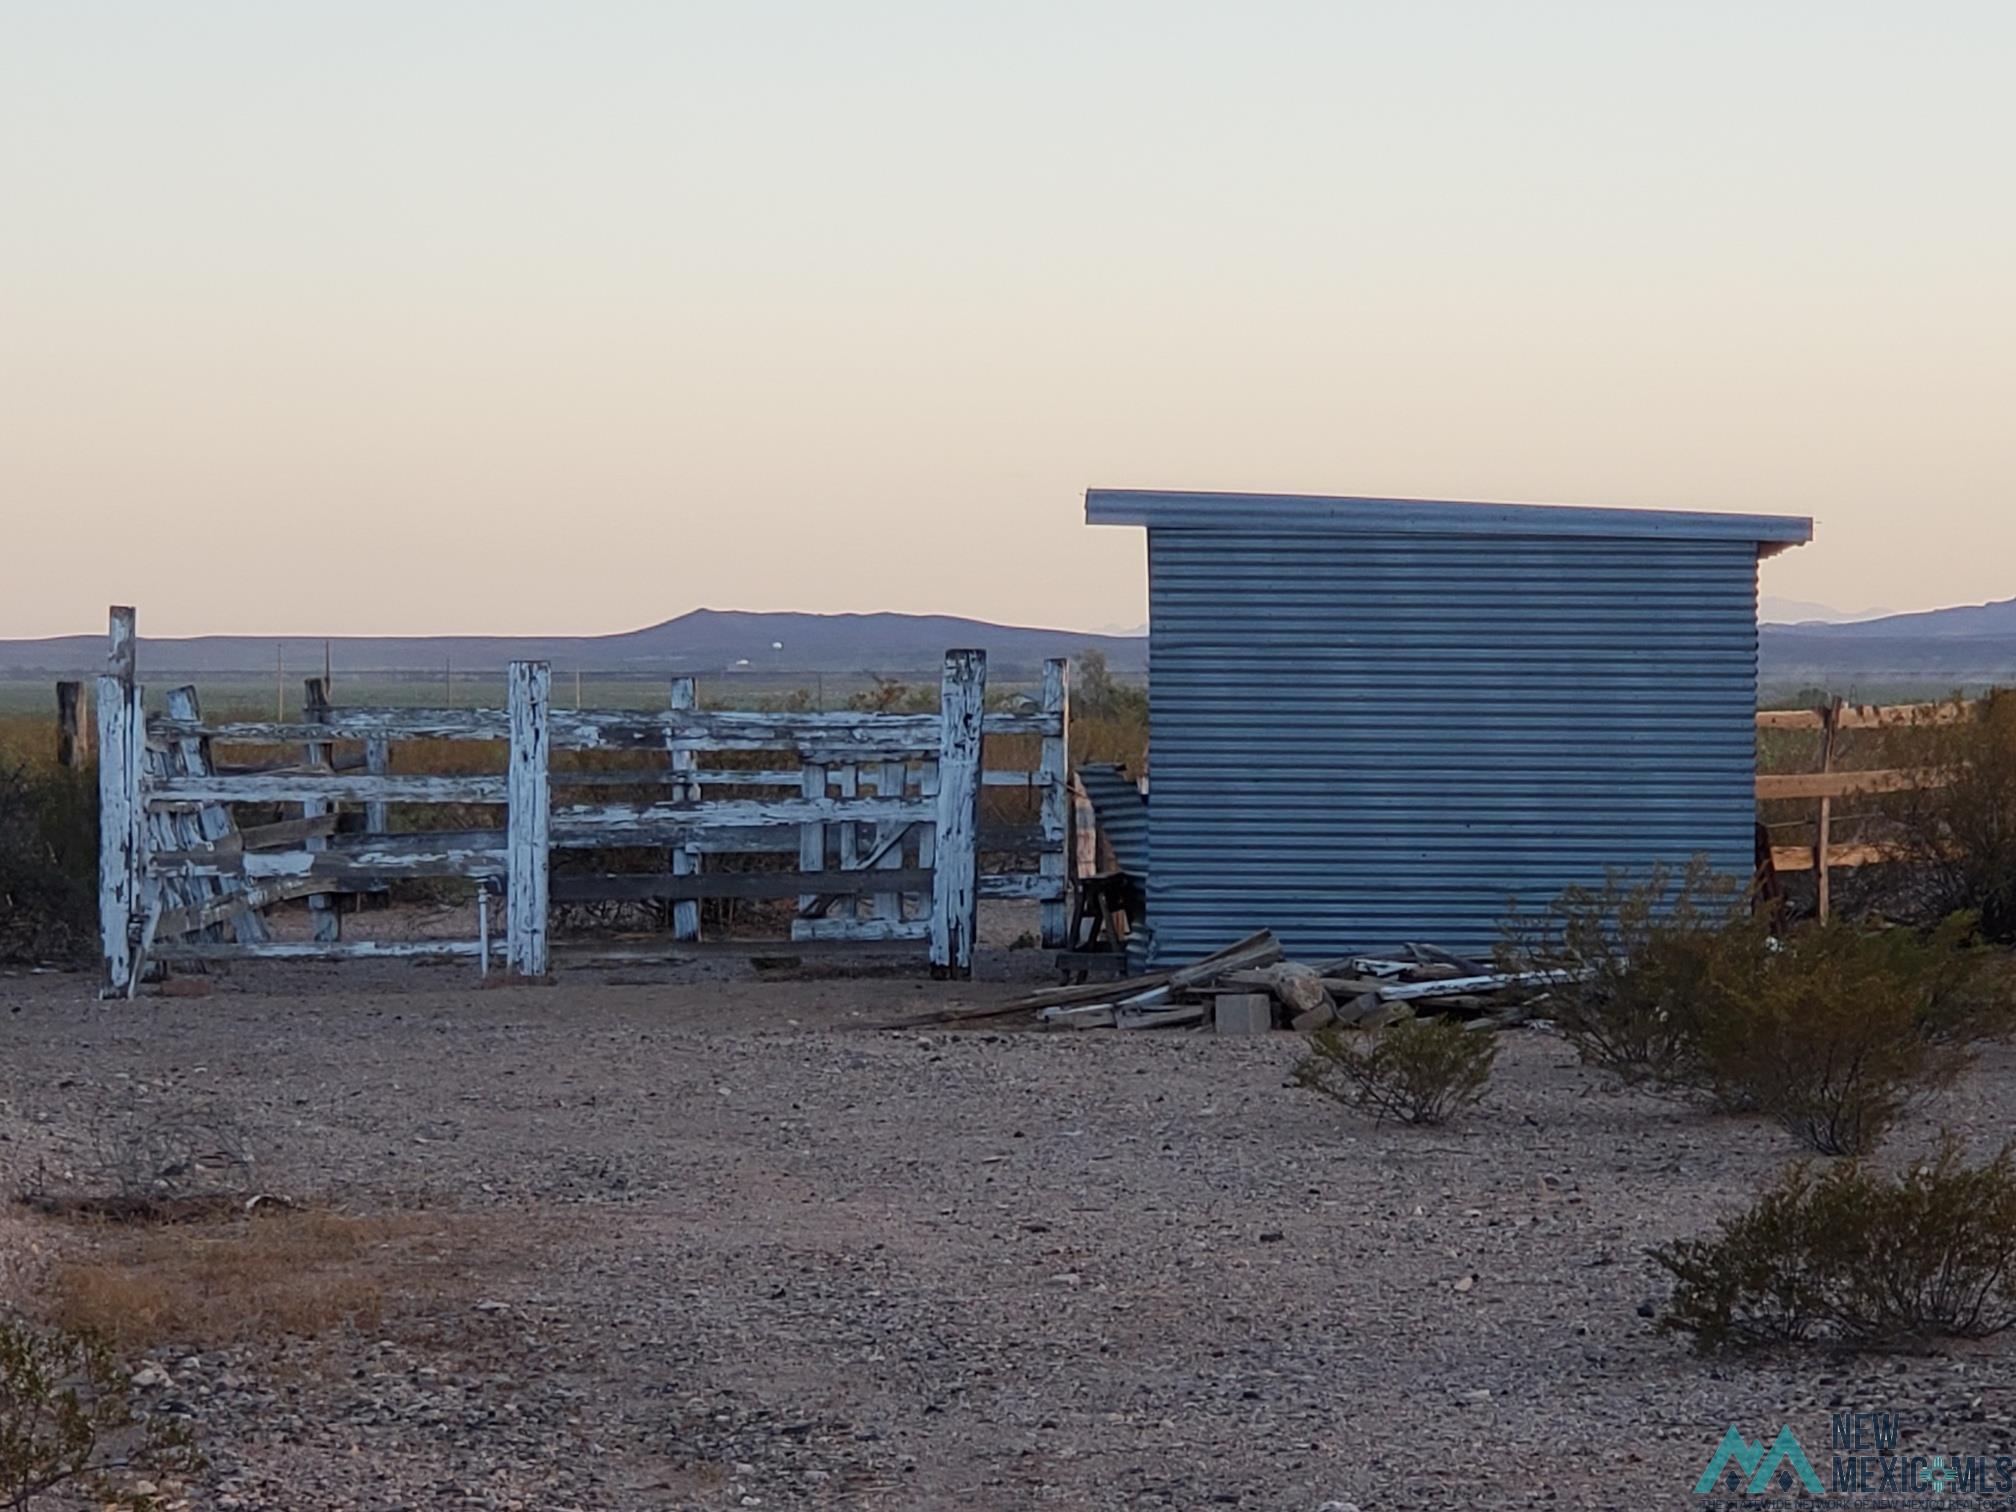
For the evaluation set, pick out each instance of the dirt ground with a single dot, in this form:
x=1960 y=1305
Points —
x=726 y=1246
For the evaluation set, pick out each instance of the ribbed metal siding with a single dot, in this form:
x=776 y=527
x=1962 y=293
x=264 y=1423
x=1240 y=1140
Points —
x=1360 y=739
x=1121 y=814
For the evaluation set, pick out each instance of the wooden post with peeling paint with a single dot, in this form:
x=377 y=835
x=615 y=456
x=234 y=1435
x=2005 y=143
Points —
x=190 y=757
x=955 y=897
x=891 y=780
x=530 y=797
x=121 y=848
x=73 y=736
x=684 y=698
x=315 y=710
x=1054 y=772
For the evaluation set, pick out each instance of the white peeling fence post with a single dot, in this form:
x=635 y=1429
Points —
x=121 y=852
x=955 y=896
x=1054 y=800
x=685 y=698
x=531 y=805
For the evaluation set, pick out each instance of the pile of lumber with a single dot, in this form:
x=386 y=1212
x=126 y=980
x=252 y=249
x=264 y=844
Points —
x=1250 y=987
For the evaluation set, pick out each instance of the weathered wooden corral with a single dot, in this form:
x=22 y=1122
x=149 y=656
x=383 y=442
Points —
x=881 y=811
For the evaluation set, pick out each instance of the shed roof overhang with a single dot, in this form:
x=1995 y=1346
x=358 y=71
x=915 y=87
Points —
x=1163 y=509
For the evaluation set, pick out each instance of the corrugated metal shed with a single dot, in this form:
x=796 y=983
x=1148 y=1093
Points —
x=1375 y=720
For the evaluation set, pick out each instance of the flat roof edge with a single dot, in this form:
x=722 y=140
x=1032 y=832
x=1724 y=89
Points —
x=1320 y=512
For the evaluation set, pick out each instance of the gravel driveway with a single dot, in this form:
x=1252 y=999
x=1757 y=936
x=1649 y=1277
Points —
x=759 y=1255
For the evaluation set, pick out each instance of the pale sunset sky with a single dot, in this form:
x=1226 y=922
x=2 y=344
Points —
x=570 y=317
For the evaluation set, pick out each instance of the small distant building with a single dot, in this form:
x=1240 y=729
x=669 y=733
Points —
x=1379 y=720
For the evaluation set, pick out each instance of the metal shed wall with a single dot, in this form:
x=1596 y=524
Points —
x=1358 y=738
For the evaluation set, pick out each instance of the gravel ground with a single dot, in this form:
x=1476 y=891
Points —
x=752 y=1254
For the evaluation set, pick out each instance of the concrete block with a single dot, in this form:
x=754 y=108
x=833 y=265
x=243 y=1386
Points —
x=1245 y=1012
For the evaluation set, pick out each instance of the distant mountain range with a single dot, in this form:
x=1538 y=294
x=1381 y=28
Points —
x=707 y=640
x=1937 y=649
x=1783 y=611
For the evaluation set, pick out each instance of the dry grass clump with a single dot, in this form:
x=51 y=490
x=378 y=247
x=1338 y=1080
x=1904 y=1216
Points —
x=268 y=1273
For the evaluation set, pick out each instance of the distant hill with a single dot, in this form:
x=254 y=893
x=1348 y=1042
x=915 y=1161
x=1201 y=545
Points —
x=1784 y=611
x=1937 y=648
x=707 y=640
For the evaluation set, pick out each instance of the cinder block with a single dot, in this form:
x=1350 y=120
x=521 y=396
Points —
x=1245 y=1013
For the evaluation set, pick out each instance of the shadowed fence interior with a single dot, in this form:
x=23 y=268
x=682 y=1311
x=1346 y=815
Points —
x=881 y=810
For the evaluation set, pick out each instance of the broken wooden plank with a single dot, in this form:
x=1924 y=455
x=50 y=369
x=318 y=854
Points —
x=1404 y=992
x=1771 y=787
x=1869 y=716
x=652 y=887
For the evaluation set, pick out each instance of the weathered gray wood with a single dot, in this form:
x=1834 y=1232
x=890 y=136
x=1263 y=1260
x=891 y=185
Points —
x=526 y=898
x=684 y=697
x=638 y=887
x=1027 y=885
x=378 y=762
x=338 y=787
x=847 y=784
x=731 y=777
x=316 y=950
x=73 y=735
x=955 y=897
x=839 y=735
x=282 y=832
x=359 y=867
x=575 y=825
x=811 y=832
x=328 y=921
x=738 y=840
x=887 y=930
x=1055 y=800
x=121 y=851
x=1407 y=992
x=891 y=780
x=122 y=645
x=170 y=831
x=212 y=823
x=172 y=923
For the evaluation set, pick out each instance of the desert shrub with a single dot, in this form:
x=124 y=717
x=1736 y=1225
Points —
x=143 y=1160
x=1957 y=839
x=1853 y=1257
x=1837 y=1030
x=67 y=1425
x=1638 y=961
x=1420 y=1071
x=48 y=863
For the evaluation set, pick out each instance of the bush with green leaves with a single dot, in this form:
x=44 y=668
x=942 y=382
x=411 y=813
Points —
x=1419 y=1071
x=1837 y=1030
x=48 y=864
x=67 y=1425
x=1852 y=1257
x=1956 y=836
x=1638 y=960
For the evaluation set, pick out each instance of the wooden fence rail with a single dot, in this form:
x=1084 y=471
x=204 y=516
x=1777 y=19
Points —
x=882 y=811
x=1827 y=784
